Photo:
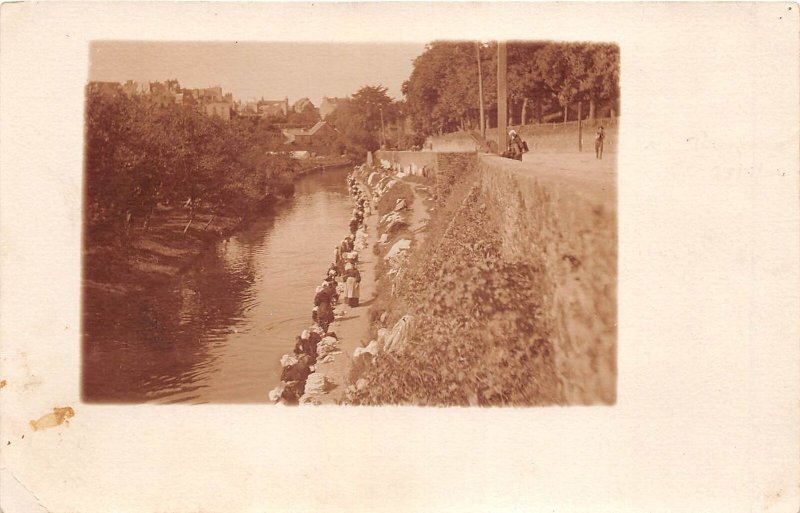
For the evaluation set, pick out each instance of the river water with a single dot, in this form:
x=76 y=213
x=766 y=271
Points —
x=217 y=335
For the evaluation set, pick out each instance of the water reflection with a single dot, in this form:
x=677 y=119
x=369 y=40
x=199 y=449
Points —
x=217 y=333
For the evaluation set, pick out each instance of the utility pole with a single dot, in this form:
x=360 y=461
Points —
x=383 y=134
x=580 y=127
x=480 y=89
x=502 y=97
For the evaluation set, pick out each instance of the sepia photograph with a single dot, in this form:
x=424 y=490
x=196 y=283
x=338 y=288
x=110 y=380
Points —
x=355 y=224
x=388 y=257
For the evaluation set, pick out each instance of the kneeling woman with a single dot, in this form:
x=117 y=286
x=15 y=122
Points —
x=352 y=281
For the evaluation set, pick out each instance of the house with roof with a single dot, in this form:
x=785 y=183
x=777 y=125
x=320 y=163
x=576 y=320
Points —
x=321 y=134
x=221 y=109
x=267 y=108
x=302 y=105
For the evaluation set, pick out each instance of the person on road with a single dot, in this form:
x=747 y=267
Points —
x=598 y=142
x=516 y=146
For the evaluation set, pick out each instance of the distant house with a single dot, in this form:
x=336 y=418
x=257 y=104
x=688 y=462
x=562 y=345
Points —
x=328 y=105
x=221 y=109
x=162 y=93
x=320 y=134
x=303 y=105
x=106 y=88
x=211 y=94
x=266 y=108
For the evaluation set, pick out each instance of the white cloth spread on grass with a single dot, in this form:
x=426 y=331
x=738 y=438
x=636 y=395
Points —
x=397 y=248
x=400 y=334
x=372 y=348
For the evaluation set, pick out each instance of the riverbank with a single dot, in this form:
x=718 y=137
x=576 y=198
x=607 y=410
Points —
x=170 y=243
x=317 y=369
x=215 y=332
x=351 y=324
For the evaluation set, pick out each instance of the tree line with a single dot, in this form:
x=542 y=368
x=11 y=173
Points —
x=140 y=155
x=545 y=81
x=442 y=93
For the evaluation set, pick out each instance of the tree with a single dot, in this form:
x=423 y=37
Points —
x=525 y=79
x=600 y=81
x=358 y=118
x=139 y=155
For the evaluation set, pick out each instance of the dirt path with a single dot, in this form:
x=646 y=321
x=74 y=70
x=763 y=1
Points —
x=353 y=327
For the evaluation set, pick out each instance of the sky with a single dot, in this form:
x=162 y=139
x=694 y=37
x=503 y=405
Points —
x=252 y=70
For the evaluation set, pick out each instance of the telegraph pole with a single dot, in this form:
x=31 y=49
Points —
x=480 y=89
x=580 y=127
x=502 y=97
x=383 y=134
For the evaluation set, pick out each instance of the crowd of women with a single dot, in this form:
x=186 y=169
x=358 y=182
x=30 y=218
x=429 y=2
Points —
x=345 y=268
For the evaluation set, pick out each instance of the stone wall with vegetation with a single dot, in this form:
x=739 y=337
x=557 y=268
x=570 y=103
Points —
x=512 y=291
x=566 y=225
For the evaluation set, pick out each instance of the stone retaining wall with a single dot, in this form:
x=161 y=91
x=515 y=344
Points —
x=408 y=161
x=567 y=224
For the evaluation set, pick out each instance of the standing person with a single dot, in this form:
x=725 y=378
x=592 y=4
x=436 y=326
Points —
x=349 y=282
x=352 y=285
x=598 y=142
x=356 y=287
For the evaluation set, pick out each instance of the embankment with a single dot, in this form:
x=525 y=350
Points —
x=512 y=295
x=169 y=244
x=565 y=224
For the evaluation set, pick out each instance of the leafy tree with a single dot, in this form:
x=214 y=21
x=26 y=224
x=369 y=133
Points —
x=358 y=118
x=600 y=81
x=526 y=82
x=442 y=92
x=139 y=155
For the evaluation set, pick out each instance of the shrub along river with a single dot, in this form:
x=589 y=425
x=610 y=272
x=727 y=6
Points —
x=217 y=333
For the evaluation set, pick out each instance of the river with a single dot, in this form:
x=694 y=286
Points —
x=217 y=334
